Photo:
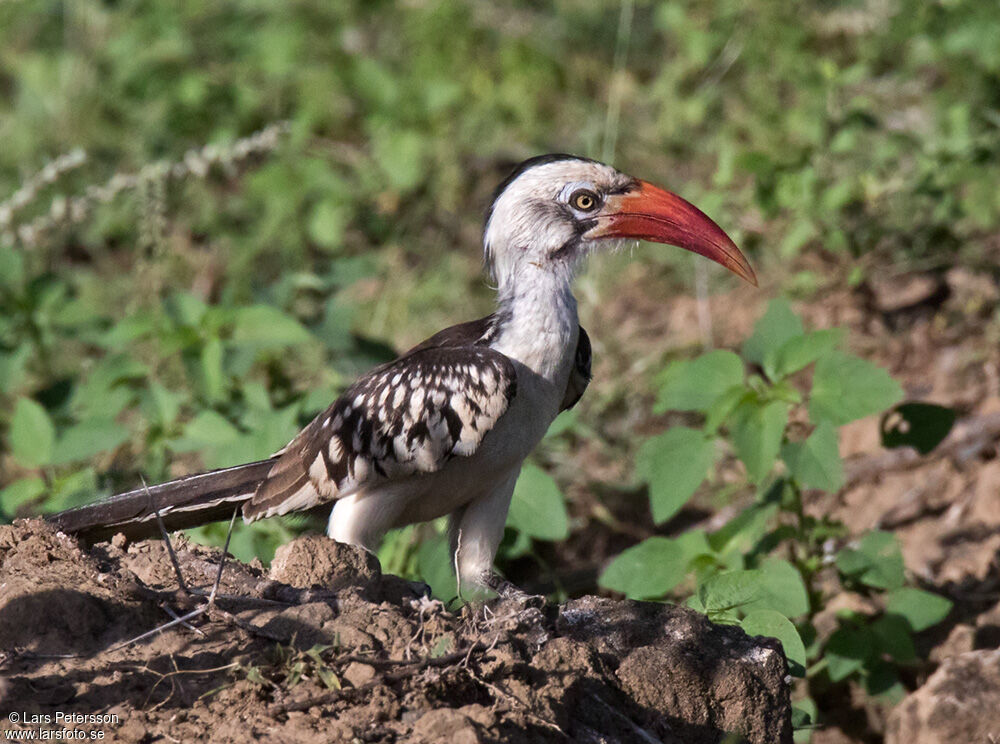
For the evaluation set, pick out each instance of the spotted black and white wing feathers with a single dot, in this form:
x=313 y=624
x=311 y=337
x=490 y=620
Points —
x=409 y=416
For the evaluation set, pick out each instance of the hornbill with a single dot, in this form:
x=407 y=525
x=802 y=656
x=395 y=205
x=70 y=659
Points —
x=445 y=428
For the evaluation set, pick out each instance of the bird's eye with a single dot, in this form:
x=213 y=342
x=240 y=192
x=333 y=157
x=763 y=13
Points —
x=584 y=200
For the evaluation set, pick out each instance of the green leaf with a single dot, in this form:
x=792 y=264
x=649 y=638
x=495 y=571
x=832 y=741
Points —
x=212 y=374
x=799 y=352
x=804 y=717
x=756 y=432
x=207 y=428
x=187 y=308
x=772 y=624
x=846 y=388
x=327 y=222
x=892 y=637
x=781 y=589
x=731 y=590
x=74 y=489
x=693 y=544
x=165 y=404
x=400 y=154
x=32 y=435
x=883 y=684
x=673 y=464
x=846 y=652
x=920 y=609
x=265 y=325
x=86 y=439
x=695 y=385
x=723 y=407
x=816 y=462
x=20 y=492
x=777 y=326
x=13 y=368
x=435 y=566
x=647 y=570
x=922 y=426
x=537 y=507
x=743 y=531
x=876 y=561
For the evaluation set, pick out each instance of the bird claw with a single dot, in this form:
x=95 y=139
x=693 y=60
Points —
x=507 y=591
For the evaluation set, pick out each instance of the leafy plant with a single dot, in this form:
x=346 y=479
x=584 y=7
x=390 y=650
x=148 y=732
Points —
x=773 y=566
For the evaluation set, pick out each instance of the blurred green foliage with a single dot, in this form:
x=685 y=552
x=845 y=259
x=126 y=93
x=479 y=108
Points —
x=211 y=301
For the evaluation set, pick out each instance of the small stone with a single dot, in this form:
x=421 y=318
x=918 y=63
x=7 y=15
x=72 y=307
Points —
x=359 y=674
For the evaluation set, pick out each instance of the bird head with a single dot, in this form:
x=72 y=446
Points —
x=554 y=209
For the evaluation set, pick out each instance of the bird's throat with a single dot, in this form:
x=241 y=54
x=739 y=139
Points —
x=537 y=323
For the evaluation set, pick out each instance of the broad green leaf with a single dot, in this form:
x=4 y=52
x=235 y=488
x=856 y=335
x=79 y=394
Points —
x=256 y=397
x=647 y=570
x=846 y=652
x=564 y=422
x=773 y=624
x=724 y=405
x=20 y=492
x=267 y=432
x=922 y=426
x=264 y=325
x=882 y=683
x=165 y=404
x=756 y=431
x=804 y=717
x=338 y=320
x=127 y=330
x=731 y=590
x=537 y=507
x=846 y=388
x=816 y=463
x=742 y=532
x=11 y=266
x=920 y=609
x=436 y=568
x=187 y=308
x=212 y=374
x=778 y=325
x=400 y=154
x=673 y=464
x=799 y=352
x=13 y=368
x=207 y=428
x=693 y=544
x=88 y=438
x=695 y=385
x=327 y=222
x=892 y=636
x=876 y=561
x=32 y=435
x=781 y=589
x=74 y=489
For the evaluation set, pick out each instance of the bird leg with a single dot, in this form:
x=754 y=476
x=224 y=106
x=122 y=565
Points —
x=504 y=589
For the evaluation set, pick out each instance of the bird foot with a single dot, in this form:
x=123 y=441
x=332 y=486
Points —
x=507 y=591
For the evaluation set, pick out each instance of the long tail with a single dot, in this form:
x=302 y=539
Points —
x=187 y=502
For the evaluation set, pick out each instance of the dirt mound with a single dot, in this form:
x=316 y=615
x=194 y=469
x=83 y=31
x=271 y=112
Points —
x=287 y=657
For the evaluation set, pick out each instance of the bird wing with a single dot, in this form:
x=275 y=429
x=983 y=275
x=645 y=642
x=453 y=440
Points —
x=406 y=417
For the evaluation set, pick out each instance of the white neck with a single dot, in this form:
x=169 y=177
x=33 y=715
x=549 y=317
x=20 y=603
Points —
x=538 y=320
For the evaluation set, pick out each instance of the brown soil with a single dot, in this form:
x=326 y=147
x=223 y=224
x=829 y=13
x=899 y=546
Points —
x=327 y=648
